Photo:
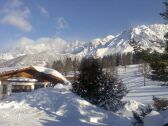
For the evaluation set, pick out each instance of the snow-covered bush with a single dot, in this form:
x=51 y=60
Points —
x=97 y=87
x=138 y=119
x=139 y=116
x=152 y=116
x=160 y=103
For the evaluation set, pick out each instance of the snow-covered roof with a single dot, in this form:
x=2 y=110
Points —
x=47 y=71
x=22 y=79
x=50 y=71
x=9 y=69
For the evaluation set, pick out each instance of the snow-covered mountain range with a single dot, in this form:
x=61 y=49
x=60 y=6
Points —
x=146 y=36
x=45 y=50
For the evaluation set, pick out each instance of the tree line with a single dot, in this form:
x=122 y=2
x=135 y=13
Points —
x=109 y=62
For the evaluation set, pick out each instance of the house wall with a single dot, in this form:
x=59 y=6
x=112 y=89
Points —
x=5 y=89
x=22 y=86
x=1 y=95
x=19 y=86
x=31 y=84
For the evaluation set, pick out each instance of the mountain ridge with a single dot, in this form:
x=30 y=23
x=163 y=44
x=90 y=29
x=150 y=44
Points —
x=28 y=51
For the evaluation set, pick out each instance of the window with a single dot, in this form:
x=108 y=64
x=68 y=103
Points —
x=4 y=91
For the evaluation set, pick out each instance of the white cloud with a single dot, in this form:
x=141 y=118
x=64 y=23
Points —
x=13 y=4
x=16 y=14
x=43 y=10
x=42 y=44
x=17 y=21
x=61 y=23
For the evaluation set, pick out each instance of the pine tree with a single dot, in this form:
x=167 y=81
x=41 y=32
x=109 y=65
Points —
x=118 y=59
x=109 y=63
x=126 y=59
x=87 y=86
x=165 y=14
x=75 y=65
x=137 y=50
x=159 y=64
x=159 y=61
x=68 y=65
x=97 y=87
x=166 y=40
x=111 y=92
x=58 y=65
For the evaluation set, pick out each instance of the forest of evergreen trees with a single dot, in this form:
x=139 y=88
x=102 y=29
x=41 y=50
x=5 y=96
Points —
x=109 y=62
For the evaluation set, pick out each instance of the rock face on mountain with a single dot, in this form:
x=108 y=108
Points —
x=41 y=51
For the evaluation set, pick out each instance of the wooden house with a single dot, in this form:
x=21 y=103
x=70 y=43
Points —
x=27 y=79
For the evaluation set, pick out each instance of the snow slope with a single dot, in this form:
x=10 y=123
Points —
x=40 y=59
x=58 y=106
x=54 y=107
x=139 y=95
x=134 y=81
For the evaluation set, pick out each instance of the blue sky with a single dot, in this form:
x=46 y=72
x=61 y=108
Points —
x=73 y=19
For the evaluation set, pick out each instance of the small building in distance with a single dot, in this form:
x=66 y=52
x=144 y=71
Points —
x=19 y=79
x=71 y=76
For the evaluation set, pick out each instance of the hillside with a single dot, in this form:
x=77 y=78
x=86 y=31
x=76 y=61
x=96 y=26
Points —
x=42 y=108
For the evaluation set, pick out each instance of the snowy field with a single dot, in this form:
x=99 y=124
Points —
x=59 y=107
x=132 y=77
